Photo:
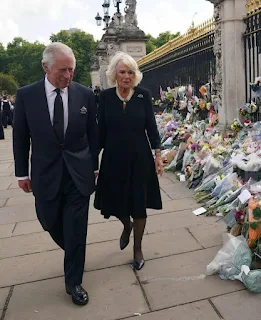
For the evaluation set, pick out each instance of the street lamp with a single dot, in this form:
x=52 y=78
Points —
x=106 y=6
x=98 y=19
x=106 y=17
x=117 y=5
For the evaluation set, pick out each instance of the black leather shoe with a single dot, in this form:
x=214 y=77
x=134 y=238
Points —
x=124 y=243
x=79 y=295
x=138 y=265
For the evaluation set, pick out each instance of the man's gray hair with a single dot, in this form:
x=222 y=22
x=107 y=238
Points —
x=56 y=48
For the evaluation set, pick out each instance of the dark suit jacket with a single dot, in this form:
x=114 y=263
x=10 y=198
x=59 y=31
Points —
x=32 y=125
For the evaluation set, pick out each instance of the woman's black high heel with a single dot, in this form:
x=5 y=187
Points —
x=124 y=243
x=138 y=265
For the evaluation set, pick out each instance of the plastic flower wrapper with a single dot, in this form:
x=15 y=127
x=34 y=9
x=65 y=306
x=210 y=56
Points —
x=251 y=162
x=216 y=140
x=205 y=190
x=186 y=160
x=221 y=201
x=225 y=185
x=251 y=279
x=216 y=102
x=214 y=179
x=167 y=156
x=178 y=157
x=182 y=91
x=196 y=176
x=254 y=186
x=174 y=92
x=256 y=87
x=230 y=258
x=257 y=126
x=211 y=166
x=168 y=142
x=202 y=154
x=226 y=206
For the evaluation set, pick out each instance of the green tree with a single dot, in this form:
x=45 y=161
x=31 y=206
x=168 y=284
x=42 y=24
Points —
x=150 y=46
x=83 y=45
x=8 y=84
x=24 y=60
x=163 y=37
x=3 y=59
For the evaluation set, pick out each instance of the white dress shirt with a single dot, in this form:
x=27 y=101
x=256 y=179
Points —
x=2 y=104
x=51 y=95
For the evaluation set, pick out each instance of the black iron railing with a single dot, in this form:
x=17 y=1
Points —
x=193 y=63
x=252 y=45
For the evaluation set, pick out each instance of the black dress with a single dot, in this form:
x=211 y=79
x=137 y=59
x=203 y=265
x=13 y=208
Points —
x=127 y=182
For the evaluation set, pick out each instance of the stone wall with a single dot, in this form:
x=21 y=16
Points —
x=136 y=49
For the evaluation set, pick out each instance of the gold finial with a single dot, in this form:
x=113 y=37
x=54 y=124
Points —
x=258 y=4
x=253 y=6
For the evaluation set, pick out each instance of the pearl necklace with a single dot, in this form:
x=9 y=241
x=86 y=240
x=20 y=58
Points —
x=124 y=100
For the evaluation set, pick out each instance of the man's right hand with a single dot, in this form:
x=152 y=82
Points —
x=26 y=185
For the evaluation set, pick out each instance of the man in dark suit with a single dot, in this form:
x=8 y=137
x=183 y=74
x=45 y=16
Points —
x=57 y=117
x=6 y=108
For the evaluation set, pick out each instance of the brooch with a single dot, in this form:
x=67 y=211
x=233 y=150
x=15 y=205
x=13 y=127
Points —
x=83 y=110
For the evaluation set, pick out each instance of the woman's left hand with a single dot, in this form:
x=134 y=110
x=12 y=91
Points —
x=159 y=164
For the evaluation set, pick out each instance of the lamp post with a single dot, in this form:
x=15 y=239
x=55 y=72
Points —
x=106 y=18
x=117 y=5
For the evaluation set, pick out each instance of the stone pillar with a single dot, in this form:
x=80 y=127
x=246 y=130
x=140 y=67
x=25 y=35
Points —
x=122 y=34
x=233 y=69
x=217 y=86
x=229 y=51
x=134 y=48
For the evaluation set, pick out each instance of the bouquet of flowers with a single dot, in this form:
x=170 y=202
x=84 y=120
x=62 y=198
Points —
x=236 y=125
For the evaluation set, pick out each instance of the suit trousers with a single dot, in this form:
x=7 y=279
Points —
x=70 y=229
x=7 y=118
x=2 y=135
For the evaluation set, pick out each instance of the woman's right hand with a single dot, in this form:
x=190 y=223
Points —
x=159 y=164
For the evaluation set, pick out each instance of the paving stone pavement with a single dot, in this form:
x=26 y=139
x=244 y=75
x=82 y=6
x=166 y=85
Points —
x=172 y=285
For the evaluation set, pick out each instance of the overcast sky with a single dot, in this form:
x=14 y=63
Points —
x=38 y=19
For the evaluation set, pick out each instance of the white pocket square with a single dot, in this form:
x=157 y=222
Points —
x=140 y=95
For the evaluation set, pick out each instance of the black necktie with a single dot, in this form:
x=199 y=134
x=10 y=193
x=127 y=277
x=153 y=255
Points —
x=58 y=116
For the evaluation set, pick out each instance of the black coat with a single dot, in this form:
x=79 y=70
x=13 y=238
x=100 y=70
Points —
x=127 y=183
x=32 y=125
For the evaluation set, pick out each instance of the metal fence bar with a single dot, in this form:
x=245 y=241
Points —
x=192 y=64
x=252 y=45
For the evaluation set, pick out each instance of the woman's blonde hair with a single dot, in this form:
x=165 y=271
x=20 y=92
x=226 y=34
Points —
x=129 y=61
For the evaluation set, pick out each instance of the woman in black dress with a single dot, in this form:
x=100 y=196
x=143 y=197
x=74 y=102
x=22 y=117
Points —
x=128 y=182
